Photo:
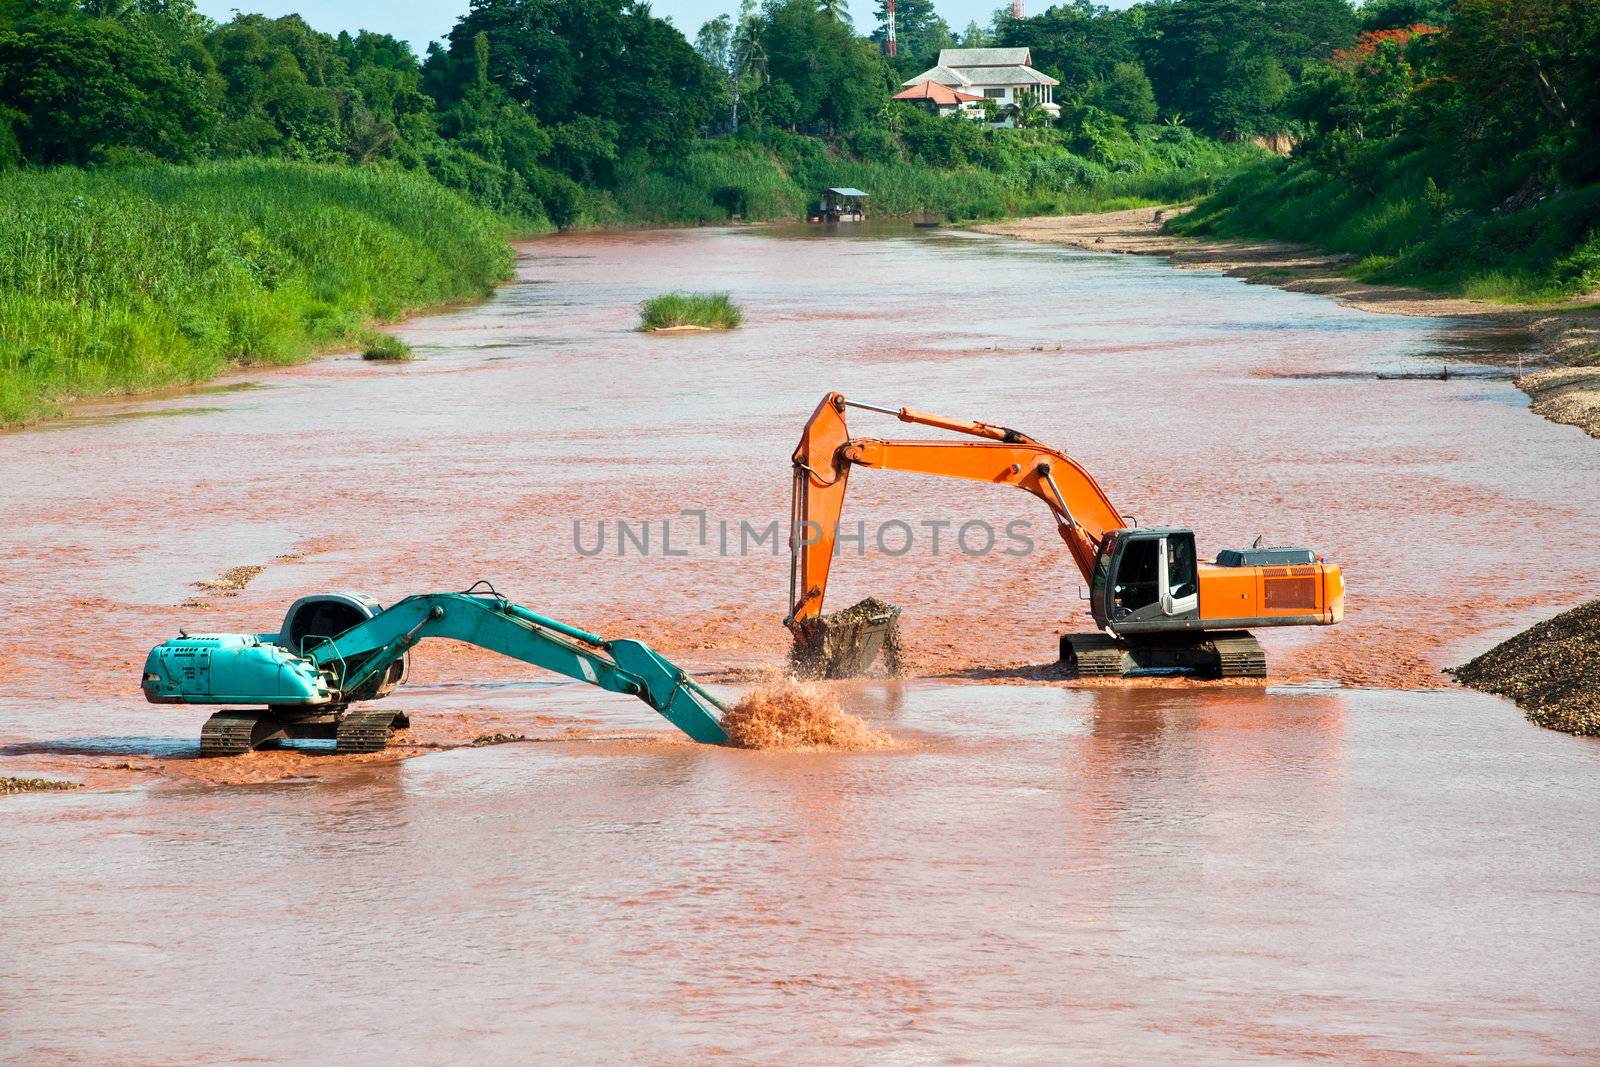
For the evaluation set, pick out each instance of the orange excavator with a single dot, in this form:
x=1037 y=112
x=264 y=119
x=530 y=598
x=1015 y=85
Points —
x=1157 y=605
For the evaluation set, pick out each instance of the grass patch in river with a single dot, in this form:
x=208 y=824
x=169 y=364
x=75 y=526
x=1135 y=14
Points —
x=678 y=311
x=385 y=347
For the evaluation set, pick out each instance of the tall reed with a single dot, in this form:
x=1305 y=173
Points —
x=112 y=281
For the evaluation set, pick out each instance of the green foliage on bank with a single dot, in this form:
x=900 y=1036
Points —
x=574 y=112
x=949 y=167
x=1464 y=158
x=118 y=280
x=1407 y=231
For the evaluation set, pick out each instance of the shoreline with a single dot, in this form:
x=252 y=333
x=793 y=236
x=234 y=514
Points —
x=1565 y=337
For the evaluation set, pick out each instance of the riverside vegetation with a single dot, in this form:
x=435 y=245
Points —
x=1459 y=153
x=131 y=279
x=312 y=183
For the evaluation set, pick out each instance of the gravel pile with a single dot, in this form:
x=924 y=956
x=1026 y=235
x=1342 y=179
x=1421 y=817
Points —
x=1551 y=672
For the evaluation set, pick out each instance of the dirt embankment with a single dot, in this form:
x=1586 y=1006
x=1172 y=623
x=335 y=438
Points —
x=1568 y=337
x=1551 y=671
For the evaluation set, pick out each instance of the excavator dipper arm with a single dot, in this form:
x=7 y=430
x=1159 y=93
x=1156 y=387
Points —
x=359 y=656
x=822 y=462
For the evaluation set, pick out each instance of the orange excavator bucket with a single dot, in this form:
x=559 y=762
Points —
x=844 y=644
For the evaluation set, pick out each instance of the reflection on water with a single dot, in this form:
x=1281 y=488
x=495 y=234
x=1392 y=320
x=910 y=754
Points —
x=1158 y=871
x=1126 y=875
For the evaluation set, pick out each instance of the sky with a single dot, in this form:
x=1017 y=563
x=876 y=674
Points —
x=421 y=21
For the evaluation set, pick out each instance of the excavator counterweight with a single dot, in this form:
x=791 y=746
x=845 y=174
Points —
x=1156 y=604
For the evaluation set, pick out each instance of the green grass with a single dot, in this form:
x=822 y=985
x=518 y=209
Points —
x=714 y=311
x=120 y=280
x=386 y=347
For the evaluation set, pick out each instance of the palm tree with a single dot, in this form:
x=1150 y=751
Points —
x=837 y=10
x=749 y=59
x=1029 y=112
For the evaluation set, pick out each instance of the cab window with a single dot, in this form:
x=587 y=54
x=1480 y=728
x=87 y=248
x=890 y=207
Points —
x=1102 y=569
x=1183 y=575
x=1137 y=583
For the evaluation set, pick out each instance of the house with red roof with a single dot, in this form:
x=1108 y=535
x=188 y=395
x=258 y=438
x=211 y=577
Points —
x=939 y=99
x=1004 y=75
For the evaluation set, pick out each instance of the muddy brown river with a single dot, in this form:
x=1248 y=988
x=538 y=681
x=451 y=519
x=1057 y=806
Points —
x=1353 y=862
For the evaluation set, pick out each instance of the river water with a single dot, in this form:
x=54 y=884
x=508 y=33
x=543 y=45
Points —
x=1354 y=861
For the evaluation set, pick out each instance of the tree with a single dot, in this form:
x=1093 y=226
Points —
x=1126 y=91
x=714 y=42
x=919 y=31
x=1077 y=43
x=749 y=57
x=86 y=90
x=1397 y=14
x=1528 y=71
x=176 y=22
x=837 y=81
x=837 y=10
x=1028 y=112
x=1230 y=63
x=278 y=78
x=610 y=60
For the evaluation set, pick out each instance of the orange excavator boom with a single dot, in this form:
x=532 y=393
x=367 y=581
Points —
x=822 y=461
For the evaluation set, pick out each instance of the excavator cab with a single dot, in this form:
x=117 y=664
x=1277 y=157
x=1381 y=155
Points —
x=1145 y=597
x=1145 y=578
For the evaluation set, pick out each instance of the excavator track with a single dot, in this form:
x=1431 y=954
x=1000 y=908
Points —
x=1239 y=655
x=233 y=733
x=1225 y=654
x=366 y=731
x=1092 y=655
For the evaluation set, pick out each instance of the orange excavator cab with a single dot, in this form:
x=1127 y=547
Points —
x=1158 y=606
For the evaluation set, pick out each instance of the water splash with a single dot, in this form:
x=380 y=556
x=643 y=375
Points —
x=791 y=714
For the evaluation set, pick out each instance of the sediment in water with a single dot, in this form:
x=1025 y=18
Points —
x=1551 y=671
x=33 y=785
x=793 y=714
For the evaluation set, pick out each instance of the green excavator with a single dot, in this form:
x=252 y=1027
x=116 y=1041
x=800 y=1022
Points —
x=335 y=651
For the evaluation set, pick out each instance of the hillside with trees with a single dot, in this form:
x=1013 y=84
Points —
x=1453 y=146
x=1447 y=142
x=565 y=112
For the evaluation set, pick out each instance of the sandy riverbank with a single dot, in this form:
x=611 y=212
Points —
x=1566 y=337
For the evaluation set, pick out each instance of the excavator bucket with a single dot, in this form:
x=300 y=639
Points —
x=845 y=644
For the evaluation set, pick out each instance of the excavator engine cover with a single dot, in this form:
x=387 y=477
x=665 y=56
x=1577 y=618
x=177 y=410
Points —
x=845 y=643
x=230 y=669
